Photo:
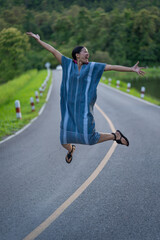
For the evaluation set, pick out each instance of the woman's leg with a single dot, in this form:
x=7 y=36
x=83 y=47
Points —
x=105 y=137
x=67 y=147
x=109 y=136
x=71 y=149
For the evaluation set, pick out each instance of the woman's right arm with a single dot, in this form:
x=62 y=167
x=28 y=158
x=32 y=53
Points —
x=48 y=47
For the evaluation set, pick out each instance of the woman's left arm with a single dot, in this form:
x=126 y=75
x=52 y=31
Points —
x=135 y=68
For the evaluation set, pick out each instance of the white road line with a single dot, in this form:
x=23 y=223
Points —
x=49 y=92
x=37 y=231
x=42 y=109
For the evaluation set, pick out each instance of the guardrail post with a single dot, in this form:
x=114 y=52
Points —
x=109 y=81
x=142 y=91
x=118 y=83
x=18 y=109
x=32 y=104
x=41 y=91
x=128 y=87
x=37 y=97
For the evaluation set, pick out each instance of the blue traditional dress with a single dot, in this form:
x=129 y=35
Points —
x=78 y=96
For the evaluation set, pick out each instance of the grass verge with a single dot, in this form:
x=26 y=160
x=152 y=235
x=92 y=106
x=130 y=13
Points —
x=127 y=77
x=21 y=88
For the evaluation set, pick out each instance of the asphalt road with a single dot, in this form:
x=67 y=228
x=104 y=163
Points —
x=122 y=203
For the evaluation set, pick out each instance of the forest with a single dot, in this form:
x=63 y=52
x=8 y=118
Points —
x=115 y=32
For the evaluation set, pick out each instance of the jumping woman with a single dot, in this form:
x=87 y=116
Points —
x=78 y=96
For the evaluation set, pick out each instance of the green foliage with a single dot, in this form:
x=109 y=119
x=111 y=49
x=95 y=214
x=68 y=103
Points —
x=13 y=45
x=101 y=56
x=60 y=5
x=116 y=32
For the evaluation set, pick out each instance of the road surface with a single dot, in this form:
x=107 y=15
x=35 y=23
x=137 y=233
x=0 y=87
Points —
x=122 y=203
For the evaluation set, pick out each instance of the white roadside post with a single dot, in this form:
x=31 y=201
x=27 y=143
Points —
x=37 y=97
x=109 y=81
x=47 y=65
x=43 y=86
x=143 y=89
x=118 y=83
x=18 y=109
x=128 y=87
x=32 y=104
x=41 y=92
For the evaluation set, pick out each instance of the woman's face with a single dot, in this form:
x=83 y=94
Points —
x=83 y=56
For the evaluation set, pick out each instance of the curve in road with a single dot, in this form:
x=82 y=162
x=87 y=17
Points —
x=36 y=232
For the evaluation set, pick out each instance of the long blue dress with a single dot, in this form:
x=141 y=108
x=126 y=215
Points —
x=78 y=96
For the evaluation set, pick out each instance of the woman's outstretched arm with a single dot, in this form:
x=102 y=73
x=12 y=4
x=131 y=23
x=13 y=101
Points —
x=135 y=68
x=51 y=49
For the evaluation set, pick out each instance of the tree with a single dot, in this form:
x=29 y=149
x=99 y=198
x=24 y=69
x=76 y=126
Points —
x=44 y=22
x=13 y=45
x=63 y=30
x=100 y=56
x=81 y=22
x=144 y=32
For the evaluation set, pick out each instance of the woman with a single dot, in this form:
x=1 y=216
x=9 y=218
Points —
x=78 y=96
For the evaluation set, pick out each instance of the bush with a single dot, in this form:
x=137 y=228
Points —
x=13 y=46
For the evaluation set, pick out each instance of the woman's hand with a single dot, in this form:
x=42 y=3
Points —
x=35 y=36
x=138 y=69
x=48 y=47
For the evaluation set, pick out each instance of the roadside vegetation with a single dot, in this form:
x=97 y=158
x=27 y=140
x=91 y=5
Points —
x=114 y=32
x=21 y=88
x=150 y=81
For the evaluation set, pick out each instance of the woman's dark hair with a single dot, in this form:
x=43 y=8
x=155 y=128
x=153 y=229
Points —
x=75 y=51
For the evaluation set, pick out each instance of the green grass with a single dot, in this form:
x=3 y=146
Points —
x=21 y=88
x=128 y=77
